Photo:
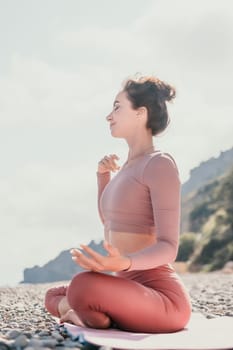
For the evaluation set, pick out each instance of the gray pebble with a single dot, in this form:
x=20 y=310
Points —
x=50 y=343
x=13 y=334
x=43 y=333
x=21 y=341
x=27 y=334
x=210 y=316
x=35 y=343
x=14 y=324
x=229 y=313
x=36 y=348
x=4 y=346
x=57 y=336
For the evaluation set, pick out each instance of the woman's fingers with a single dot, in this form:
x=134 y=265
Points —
x=86 y=262
x=88 y=265
x=108 y=162
x=98 y=257
x=98 y=262
x=80 y=263
x=115 y=157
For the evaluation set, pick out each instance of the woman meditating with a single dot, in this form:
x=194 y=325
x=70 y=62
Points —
x=140 y=210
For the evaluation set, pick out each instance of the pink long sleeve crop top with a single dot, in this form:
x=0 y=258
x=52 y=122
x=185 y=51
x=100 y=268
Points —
x=144 y=198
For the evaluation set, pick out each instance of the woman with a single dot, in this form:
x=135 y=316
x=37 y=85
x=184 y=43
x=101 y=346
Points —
x=140 y=211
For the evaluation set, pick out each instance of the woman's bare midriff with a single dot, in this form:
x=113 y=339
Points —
x=128 y=242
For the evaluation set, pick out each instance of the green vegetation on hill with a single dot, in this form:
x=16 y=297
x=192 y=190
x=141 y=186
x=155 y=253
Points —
x=209 y=245
x=187 y=246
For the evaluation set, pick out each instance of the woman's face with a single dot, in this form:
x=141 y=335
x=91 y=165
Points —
x=123 y=118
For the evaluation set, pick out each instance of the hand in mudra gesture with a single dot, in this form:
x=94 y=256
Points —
x=108 y=164
x=94 y=261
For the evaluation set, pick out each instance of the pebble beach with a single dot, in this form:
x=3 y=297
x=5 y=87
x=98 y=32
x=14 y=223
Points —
x=25 y=324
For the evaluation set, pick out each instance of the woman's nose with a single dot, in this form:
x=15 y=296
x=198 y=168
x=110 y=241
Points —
x=108 y=117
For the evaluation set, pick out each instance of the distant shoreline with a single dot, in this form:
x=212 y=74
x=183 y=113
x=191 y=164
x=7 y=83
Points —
x=180 y=267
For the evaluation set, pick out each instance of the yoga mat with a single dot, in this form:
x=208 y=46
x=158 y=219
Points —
x=200 y=333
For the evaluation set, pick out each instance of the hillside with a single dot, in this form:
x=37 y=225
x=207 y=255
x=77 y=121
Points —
x=208 y=171
x=210 y=239
x=205 y=174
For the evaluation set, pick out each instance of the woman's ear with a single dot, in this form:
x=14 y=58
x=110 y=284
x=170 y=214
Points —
x=141 y=111
x=142 y=114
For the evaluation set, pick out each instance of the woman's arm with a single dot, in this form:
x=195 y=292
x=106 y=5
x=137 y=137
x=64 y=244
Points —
x=162 y=178
x=105 y=166
x=102 y=180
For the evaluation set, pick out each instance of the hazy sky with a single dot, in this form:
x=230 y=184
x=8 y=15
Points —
x=61 y=65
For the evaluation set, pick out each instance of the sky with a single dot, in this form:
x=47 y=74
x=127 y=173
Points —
x=61 y=65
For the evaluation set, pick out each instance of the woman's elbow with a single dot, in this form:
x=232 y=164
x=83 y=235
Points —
x=171 y=250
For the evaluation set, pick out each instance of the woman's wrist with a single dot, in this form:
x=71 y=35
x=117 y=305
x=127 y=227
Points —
x=105 y=173
x=128 y=263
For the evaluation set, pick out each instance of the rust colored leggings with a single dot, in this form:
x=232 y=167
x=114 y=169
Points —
x=147 y=301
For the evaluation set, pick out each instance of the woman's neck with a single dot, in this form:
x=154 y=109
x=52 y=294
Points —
x=133 y=154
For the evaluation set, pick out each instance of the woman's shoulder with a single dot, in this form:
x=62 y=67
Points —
x=162 y=158
x=160 y=163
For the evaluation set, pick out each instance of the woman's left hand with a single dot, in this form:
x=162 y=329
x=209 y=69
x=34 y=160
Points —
x=114 y=261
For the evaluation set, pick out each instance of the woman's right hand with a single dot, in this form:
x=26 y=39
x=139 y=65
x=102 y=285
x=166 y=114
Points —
x=108 y=164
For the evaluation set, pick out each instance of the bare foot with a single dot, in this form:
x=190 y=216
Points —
x=63 y=306
x=71 y=317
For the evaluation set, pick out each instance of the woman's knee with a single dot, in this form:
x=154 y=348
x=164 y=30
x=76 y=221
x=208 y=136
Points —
x=84 y=297
x=82 y=287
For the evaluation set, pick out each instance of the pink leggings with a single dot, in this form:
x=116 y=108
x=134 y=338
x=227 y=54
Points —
x=147 y=301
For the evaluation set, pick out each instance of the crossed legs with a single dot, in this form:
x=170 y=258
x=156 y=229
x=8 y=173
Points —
x=100 y=300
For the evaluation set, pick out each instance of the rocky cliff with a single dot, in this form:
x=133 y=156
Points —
x=211 y=219
x=207 y=171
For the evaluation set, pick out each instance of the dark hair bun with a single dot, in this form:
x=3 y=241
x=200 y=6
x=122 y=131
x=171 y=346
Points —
x=153 y=93
x=164 y=91
x=167 y=92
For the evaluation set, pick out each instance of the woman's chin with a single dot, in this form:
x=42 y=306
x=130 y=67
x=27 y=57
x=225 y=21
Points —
x=114 y=134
